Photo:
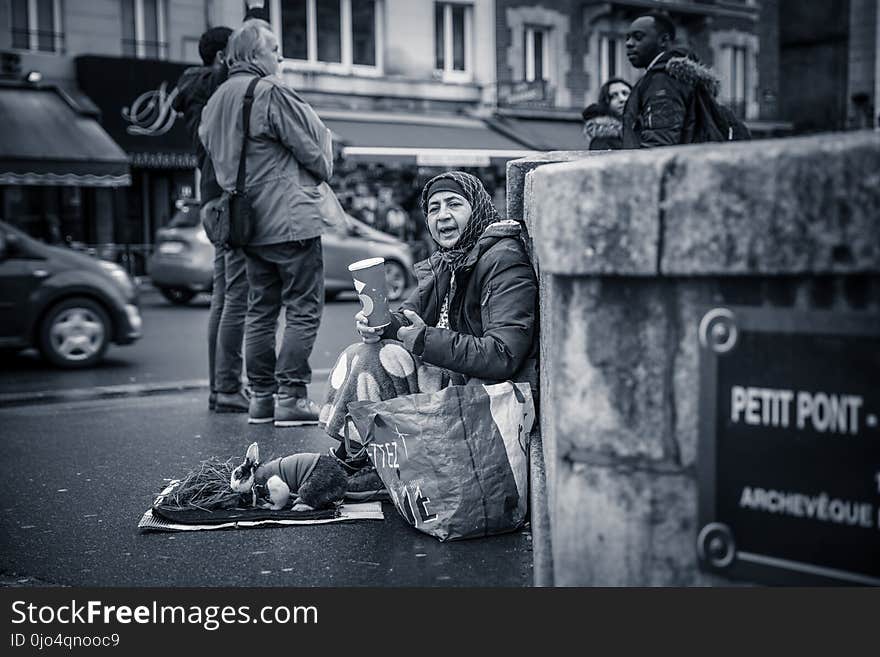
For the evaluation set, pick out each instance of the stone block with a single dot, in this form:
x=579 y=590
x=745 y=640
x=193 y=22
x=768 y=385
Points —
x=547 y=301
x=610 y=344
x=692 y=298
x=599 y=215
x=785 y=206
x=517 y=170
x=626 y=528
x=539 y=517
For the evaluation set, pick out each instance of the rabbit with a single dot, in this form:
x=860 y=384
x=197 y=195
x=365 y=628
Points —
x=247 y=478
x=318 y=481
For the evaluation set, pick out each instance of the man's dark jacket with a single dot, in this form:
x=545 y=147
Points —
x=656 y=113
x=193 y=91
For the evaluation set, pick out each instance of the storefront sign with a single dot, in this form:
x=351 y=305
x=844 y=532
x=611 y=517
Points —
x=519 y=93
x=447 y=158
x=789 y=460
x=137 y=108
x=152 y=113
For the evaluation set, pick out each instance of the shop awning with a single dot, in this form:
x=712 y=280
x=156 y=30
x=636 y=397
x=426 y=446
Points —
x=421 y=140
x=45 y=140
x=545 y=133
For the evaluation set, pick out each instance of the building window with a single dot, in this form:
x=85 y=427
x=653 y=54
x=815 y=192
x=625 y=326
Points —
x=734 y=78
x=536 y=51
x=329 y=29
x=610 y=48
x=56 y=215
x=363 y=32
x=36 y=25
x=332 y=34
x=143 y=29
x=452 y=40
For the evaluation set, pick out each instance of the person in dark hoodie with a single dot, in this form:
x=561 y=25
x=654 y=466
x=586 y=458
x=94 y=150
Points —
x=656 y=113
x=230 y=289
x=603 y=124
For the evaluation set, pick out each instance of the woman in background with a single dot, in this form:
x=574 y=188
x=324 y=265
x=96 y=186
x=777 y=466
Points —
x=603 y=121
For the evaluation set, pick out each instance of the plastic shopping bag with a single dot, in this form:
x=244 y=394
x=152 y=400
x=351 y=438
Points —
x=455 y=462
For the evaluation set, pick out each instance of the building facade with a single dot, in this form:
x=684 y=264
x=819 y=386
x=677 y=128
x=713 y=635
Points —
x=407 y=86
x=836 y=45
x=554 y=55
x=403 y=84
x=101 y=56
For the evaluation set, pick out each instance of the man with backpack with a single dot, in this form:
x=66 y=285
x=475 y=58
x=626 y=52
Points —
x=674 y=101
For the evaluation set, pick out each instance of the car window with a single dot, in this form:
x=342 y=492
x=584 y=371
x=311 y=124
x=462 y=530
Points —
x=186 y=216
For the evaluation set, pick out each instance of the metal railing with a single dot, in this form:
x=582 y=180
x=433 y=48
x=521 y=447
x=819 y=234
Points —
x=19 y=35
x=131 y=48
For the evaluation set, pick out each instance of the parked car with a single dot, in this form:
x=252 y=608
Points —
x=351 y=240
x=182 y=264
x=67 y=304
x=183 y=261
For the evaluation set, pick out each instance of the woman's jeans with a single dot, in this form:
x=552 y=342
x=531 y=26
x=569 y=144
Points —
x=226 y=320
x=289 y=274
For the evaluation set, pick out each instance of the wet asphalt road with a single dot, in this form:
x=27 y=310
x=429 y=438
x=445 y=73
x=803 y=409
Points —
x=173 y=348
x=80 y=476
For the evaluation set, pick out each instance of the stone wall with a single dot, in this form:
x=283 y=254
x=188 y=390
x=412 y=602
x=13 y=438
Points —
x=631 y=248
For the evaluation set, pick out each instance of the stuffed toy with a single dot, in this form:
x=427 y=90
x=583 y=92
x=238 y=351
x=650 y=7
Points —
x=317 y=481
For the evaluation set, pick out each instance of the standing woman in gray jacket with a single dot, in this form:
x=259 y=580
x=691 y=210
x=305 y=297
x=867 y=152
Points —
x=288 y=155
x=472 y=318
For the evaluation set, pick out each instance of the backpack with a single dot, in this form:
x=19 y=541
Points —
x=711 y=121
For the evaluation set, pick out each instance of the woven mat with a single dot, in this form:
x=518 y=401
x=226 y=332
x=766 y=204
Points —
x=151 y=522
x=162 y=518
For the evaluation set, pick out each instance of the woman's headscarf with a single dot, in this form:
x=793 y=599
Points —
x=483 y=213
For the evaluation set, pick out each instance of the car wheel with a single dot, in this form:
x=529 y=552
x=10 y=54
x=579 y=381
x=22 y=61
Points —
x=395 y=279
x=75 y=333
x=179 y=296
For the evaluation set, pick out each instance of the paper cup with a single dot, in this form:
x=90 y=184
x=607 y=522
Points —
x=369 y=282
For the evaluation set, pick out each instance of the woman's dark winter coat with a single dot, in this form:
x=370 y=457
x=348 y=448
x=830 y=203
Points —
x=602 y=128
x=493 y=319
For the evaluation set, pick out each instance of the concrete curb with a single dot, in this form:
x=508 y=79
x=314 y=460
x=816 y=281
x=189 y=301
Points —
x=99 y=392
x=111 y=392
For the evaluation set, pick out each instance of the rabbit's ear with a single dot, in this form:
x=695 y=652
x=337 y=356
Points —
x=253 y=453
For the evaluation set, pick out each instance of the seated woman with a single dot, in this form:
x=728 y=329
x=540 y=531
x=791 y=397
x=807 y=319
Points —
x=472 y=318
x=603 y=121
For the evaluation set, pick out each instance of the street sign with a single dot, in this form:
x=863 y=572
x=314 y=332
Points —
x=789 y=446
x=537 y=92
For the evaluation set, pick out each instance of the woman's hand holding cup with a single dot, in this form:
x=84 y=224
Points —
x=369 y=334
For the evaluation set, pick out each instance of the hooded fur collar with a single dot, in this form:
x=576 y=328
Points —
x=603 y=126
x=681 y=67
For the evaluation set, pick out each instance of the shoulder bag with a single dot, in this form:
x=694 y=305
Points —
x=228 y=220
